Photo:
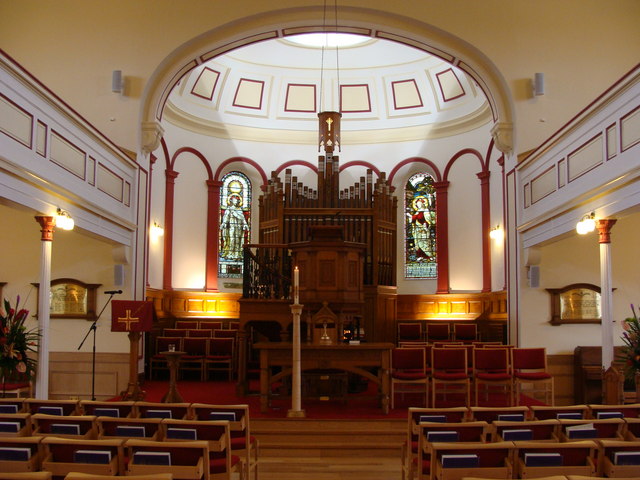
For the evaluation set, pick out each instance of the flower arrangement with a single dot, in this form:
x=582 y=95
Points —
x=631 y=349
x=15 y=344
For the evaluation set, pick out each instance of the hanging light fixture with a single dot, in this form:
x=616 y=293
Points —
x=329 y=120
x=64 y=220
x=587 y=224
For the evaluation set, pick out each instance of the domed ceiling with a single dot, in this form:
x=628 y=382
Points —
x=271 y=91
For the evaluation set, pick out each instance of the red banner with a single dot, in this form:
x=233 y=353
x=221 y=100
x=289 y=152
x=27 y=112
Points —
x=131 y=316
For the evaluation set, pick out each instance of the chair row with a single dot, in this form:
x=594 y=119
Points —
x=208 y=458
x=523 y=459
x=88 y=419
x=227 y=323
x=538 y=423
x=201 y=355
x=199 y=332
x=437 y=332
x=455 y=369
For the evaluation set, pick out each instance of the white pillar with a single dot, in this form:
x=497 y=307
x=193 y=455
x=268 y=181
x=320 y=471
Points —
x=42 y=376
x=296 y=373
x=606 y=292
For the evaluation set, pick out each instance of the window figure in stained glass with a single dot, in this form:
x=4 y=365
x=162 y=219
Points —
x=235 y=231
x=420 y=227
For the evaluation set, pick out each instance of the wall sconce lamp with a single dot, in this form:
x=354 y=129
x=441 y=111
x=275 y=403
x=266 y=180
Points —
x=496 y=233
x=64 y=220
x=156 y=231
x=587 y=224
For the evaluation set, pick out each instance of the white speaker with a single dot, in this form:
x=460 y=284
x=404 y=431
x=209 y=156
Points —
x=116 y=81
x=534 y=276
x=118 y=275
x=538 y=84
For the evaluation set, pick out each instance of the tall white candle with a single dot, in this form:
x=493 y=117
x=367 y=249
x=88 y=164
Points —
x=296 y=284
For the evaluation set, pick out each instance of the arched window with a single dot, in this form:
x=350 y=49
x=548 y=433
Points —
x=235 y=223
x=420 y=227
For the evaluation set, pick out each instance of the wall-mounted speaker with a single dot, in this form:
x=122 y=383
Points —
x=116 y=81
x=534 y=276
x=538 y=84
x=118 y=275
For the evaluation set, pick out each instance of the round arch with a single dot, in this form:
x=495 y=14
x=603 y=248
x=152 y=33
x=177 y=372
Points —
x=363 y=21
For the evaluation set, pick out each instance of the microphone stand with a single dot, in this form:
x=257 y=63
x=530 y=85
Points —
x=93 y=354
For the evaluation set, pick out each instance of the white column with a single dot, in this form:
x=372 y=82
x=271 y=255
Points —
x=42 y=376
x=296 y=373
x=606 y=292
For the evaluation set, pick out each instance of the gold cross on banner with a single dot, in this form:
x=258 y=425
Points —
x=329 y=122
x=129 y=320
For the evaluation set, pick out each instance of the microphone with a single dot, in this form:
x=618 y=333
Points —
x=113 y=292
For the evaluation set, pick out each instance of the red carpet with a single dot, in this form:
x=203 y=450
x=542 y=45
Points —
x=363 y=405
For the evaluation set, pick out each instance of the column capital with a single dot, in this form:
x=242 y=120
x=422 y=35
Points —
x=46 y=227
x=502 y=133
x=151 y=134
x=604 y=229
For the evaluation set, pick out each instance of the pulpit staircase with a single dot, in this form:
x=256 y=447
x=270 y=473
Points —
x=310 y=449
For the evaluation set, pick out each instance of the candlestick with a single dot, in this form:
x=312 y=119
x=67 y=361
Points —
x=296 y=284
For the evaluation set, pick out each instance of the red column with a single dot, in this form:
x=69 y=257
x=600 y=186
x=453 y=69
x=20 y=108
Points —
x=152 y=160
x=170 y=183
x=485 y=223
x=442 y=235
x=213 y=232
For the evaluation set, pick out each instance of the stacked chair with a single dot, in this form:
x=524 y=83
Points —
x=139 y=440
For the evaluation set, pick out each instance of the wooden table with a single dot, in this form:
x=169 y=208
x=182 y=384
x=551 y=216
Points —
x=358 y=359
x=173 y=361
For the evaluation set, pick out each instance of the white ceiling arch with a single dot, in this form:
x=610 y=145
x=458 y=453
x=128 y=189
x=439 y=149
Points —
x=287 y=22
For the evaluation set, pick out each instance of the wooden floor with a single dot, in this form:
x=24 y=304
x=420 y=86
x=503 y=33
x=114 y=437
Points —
x=307 y=449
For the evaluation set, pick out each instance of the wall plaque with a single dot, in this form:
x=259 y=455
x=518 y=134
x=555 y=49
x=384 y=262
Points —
x=575 y=303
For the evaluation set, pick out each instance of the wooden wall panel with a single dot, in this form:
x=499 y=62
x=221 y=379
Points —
x=70 y=375
x=178 y=304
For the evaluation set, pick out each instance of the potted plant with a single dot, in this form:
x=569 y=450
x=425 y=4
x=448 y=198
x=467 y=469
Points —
x=16 y=342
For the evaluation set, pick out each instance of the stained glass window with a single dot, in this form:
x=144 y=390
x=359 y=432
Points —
x=420 y=227
x=235 y=223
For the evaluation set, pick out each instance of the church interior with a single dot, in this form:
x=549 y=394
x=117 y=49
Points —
x=301 y=206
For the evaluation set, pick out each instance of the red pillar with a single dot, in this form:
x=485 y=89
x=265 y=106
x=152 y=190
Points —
x=170 y=183
x=442 y=235
x=486 y=227
x=213 y=232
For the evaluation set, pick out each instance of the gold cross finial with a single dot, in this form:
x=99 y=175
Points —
x=329 y=122
x=129 y=320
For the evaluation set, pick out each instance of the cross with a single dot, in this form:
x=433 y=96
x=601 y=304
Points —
x=129 y=320
x=329 y=122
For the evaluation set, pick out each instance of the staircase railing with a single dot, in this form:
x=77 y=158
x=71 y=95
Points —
x=267 y=271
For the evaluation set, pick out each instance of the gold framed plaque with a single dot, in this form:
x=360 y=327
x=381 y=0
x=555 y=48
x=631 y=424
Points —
x=71 y=298
x=575 y=303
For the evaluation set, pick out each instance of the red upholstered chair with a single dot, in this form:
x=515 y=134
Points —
x=438 y=332
x=465 y=332
x=210 y=325
x=195 y=349
x=220 y=356
x=218 y=435
x=186 y=324
x=449 y=373
x=491 y=370
x=158 y=362
x=223 y=333
x=530 y=368
x=408 y=369
x=174 y=332
x=242 y=442
x=199 y=332
x=409 y=332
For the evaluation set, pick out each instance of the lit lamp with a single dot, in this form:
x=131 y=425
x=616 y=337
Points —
x=496 y=233
x=156 y=231
x=64 y=220
x=587 y=224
